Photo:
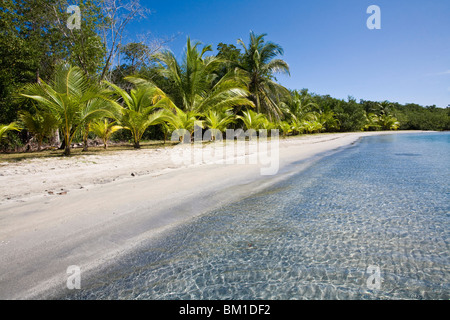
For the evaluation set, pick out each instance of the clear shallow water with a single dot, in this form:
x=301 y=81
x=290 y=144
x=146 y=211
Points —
x=382 y=202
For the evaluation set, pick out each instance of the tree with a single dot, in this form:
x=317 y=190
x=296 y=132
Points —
x=196 y=85
x=142 y=107
x=217 y=121
x=81 y=47
x=299 y=104
x=372 y=122
x=4 y=128
x=183 y=123
x=120 y=13
x=229 y=52
x=42 y=124
x=25 y=39
x=389 y=122
x=104 y=129
x=351 y=115
x=260 y=65
x=251 y=119
x=328 y=120
x=311 y=126
x=135 y=53
x=231 y=56
x=72 y=98
x=285 y=127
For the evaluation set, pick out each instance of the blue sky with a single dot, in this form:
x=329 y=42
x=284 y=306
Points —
x=327 y=44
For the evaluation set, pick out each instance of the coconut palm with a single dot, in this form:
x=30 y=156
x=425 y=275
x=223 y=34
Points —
x=389 y=122
x=4 y=128
x=71 y=98
x=372 y=122
x=89 y=117
x=218 y=121
x=104 y=129
x=41 y=124
x=327 y=120
x=311 y=126
x=251 y=119
x=268 y=125
x=297 y=127
x=299 y=104
x=142 y=107
x=165 y=128
x=197 y=87
x=260 y=64
x=384 y=108
x=183 y=123
x=285 y=127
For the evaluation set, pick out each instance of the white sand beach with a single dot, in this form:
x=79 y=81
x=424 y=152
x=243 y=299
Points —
x=88 y=210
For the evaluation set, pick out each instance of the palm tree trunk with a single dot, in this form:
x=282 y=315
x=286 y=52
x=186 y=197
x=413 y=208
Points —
x=85 y=138
x=85 y=145
x=67 y=150
x=66 y=145
x=258 y=109
x=55 y=138
x=137 y=145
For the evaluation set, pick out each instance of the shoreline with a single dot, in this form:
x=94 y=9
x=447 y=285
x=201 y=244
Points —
x=104 y=212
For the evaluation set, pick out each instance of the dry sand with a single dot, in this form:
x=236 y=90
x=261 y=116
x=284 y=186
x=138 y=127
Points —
x=89 y=210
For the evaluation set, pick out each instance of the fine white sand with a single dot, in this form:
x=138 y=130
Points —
x=89 y=210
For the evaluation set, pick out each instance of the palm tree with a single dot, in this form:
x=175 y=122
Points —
x=285 y=127
x=197 y=87
x=268 y=125
x=4 y=128
x=312 y=126
x=41 y=124
x=260 y=64
x=389 y=122
x=218 y=121
x=142 y=107
x=372 y=122
x=328 y=121
x=70 y=98
x=251 y=119
x=89 y=116
x=299 y=104
x=104 y=129
x=384 y=107
x=183 y=123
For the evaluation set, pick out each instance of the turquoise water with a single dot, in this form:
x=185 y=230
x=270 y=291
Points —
x=383 y=202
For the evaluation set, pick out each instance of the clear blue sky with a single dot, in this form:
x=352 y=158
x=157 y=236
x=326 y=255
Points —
x=327 y=44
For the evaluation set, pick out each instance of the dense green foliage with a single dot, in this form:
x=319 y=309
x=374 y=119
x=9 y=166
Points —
x=52 y=81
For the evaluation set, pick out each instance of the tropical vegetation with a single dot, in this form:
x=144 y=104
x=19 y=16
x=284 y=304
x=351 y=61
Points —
x=78 y=86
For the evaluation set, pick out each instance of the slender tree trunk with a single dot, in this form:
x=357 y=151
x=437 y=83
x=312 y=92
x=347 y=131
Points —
x=55 y=140
x=66 y=145
x=85 y=138
x=258 y=108
x=67 y=150
x=137 y=145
